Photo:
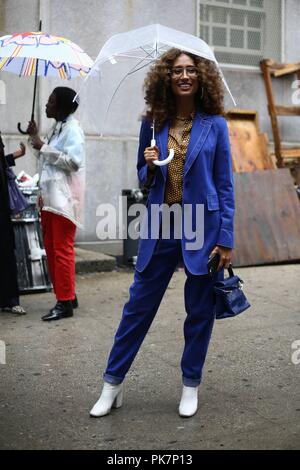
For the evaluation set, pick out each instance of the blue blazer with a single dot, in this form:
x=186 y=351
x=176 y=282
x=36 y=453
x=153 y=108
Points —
x=207 y=181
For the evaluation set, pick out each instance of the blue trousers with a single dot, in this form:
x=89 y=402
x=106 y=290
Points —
x=146 y=294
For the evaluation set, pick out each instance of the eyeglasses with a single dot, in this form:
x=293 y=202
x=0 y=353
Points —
x=177 y=72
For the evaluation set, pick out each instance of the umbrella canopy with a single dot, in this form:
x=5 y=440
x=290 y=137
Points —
x=150 y=42
x=129 y=53
x=55 y=56
x=39 y=54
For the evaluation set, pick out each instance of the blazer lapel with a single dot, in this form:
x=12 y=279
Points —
x=162 y=142
x=199 y=133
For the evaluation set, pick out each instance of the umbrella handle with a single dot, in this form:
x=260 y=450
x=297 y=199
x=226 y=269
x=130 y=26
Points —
x=20 y=130
x=166 y=160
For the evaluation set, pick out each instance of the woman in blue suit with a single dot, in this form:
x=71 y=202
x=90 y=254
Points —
x=184 y=96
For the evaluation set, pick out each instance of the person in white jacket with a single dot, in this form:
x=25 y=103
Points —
x=62 y=185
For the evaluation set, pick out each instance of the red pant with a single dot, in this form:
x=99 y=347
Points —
x=59 y=236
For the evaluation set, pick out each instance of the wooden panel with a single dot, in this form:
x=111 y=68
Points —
x=267 y=222
x=290 y=153
x=287 y=69
x=287 y=110
x=248 y=147
x=283 y=156
x=279 y=70
x=265 y=68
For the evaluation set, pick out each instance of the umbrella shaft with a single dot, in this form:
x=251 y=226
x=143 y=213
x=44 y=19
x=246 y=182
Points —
x=35 y=79
x=34 y=89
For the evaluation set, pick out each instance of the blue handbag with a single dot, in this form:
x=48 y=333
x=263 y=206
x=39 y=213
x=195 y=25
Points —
x=230 y=299
x=17 y=202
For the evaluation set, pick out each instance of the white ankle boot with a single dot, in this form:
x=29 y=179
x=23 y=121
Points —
x=111 y=397
x=189 y=401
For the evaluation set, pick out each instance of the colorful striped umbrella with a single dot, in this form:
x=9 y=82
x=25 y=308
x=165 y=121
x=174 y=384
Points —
x=39 y=54
x=55 y=56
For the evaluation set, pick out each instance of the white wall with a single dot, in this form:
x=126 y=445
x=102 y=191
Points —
x=111 y=161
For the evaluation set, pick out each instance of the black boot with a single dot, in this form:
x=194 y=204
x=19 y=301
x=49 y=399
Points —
x=62 y=309
x=75 y=302
x=74 y=305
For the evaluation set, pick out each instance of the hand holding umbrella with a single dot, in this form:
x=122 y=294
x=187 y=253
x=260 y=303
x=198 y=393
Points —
x=156 y=161
x=151 y=155
x=35 y=139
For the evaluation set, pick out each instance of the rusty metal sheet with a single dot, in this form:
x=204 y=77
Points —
x=267 y=222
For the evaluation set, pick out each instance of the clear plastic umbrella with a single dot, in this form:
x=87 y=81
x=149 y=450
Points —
x=127 y=54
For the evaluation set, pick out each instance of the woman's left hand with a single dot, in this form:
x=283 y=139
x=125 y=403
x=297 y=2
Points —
x=225 y=256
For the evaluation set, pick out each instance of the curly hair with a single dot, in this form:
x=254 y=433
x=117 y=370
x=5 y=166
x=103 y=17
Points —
x=159 y=98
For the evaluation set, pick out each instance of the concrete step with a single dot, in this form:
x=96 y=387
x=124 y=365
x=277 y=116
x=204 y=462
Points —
x=90 y=261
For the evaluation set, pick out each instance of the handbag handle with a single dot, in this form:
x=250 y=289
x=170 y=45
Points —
x=230 y=271
x=231 y=274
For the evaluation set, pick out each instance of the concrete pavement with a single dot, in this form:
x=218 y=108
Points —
x=249 y=398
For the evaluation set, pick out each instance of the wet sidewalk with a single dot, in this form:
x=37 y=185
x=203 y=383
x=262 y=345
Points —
x=249 y=398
